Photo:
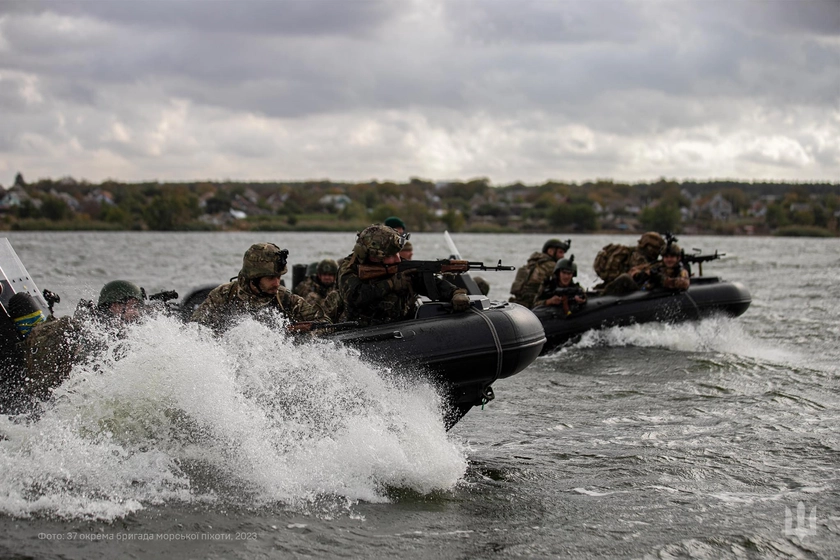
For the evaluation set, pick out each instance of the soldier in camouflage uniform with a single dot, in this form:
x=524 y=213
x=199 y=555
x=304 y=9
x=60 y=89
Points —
x=54 y=347
x=669 y=273
x=256 y=289
x=620 y=266
x=391 y=297
x=317 y=287
x=540 y=267
x=563 y=277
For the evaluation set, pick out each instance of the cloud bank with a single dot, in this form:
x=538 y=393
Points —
x=375 y=89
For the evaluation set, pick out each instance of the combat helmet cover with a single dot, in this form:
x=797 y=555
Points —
x=378 y=241
x=651 y=239
x=119 y=291
x=263 y=259
x=672 y=249
x=327 y=266
x=557 y=244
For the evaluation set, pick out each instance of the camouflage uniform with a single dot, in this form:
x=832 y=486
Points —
x=540 y=267
x=234 y=299
x=668 y=277
x=620 y=274
x=387 y=299
x=312 y=290
x=530 y=278
x=54 y=347
x=547 y=292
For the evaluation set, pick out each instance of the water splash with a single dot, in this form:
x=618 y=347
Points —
x=717 y=334
x=170 y=412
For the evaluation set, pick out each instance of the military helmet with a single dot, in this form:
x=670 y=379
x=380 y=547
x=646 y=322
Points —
x=119 y=291
x=567 y=264
x=378 y=241
x=557 y=244
x=651 y=239
x=394 y=222
x=482 y=284
x=263 y=259
x=672 y=249
x=327 y=266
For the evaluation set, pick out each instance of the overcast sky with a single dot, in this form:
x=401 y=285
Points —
x=353 y=90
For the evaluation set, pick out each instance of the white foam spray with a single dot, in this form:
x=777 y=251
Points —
x=171 y=412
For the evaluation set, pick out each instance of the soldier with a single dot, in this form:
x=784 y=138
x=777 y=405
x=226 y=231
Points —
x=564 y=274
x=393 y=296
x=669 y=273
x=482 y=284
x=55 y=346
x=407 y=252
x=396 y=224
x=317 y=287
x=540 y=267
x=619 y=265
x=257 y=288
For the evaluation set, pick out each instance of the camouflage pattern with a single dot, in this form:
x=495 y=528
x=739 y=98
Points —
x=548 y=292
x=263 y=259
x=672 y=249
x=314 y=292
x=377 y=241
x=482 y=284
x=614 y=259
x=327 y=266
x=230 y=301
x=529 y=279
x=333 y=306
x=384 y=300
x=51 y=350
x=669 y=278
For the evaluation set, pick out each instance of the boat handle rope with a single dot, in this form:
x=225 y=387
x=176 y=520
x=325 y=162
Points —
x=498 y=342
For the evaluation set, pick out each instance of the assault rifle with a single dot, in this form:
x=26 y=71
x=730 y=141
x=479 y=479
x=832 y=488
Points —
x=164 y=296
x=456 y=266
x=428 y=269
x=689 y=259
x=569 y=292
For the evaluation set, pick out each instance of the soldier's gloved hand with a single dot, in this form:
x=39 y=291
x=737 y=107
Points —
x=460 y=302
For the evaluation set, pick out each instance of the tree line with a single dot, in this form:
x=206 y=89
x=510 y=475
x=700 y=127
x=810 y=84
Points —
x=722 y=207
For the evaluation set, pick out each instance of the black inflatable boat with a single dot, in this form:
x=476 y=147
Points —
x=463 y=352
x=706 y=296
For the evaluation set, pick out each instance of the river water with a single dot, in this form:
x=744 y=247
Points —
x=716 y=439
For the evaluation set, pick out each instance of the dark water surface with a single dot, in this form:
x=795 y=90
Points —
x=655 y=441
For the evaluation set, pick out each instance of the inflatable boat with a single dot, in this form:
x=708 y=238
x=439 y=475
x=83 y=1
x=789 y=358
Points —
x=464 y=353
x=705 y=297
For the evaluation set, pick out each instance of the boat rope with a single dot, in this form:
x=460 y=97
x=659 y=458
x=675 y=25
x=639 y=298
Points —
x=498 y=342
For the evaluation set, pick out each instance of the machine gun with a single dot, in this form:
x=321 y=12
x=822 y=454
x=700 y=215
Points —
x=689 y=259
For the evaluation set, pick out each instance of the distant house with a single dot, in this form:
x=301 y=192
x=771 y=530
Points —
x=337 y=201
x=100 y=196
x=68 y=199
x=14 y=197
x=719 y=208
x=800 y=207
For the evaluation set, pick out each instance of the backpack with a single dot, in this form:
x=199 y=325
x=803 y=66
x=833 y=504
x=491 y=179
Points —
x=612 y=261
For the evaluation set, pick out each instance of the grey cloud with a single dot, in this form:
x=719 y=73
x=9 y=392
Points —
x=271 y=17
